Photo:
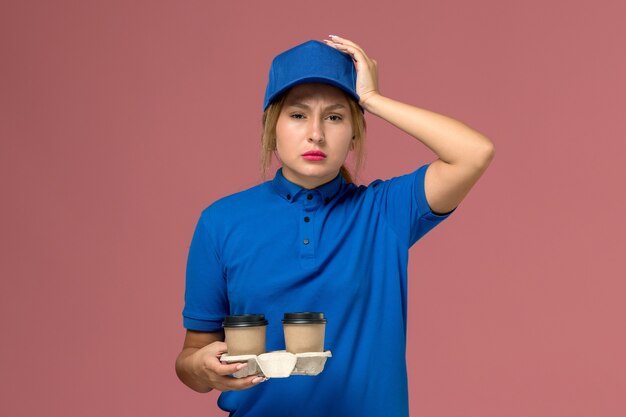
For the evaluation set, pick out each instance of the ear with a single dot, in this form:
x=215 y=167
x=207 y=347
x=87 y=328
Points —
x=352 y=143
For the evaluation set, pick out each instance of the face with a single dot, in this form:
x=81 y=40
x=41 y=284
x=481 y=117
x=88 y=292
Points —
x=313 y=134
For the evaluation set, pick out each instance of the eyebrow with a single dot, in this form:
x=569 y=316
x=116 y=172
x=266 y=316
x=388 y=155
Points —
x=304 y=106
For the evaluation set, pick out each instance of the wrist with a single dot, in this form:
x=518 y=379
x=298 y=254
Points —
x=370 y=101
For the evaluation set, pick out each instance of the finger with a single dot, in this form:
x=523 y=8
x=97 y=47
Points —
x=343 y=45
x=248 y=382
x=349 y=47
x=345 y=49
x=356 y=53
x=226 y=369
x=344 y=41
x=235 y=384
x=217 y=347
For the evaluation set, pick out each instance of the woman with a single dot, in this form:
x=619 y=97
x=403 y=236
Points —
x=311 y=240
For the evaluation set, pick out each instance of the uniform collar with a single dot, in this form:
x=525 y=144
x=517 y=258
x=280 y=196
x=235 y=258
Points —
x=290 y=191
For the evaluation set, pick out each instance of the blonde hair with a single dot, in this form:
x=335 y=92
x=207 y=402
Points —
x=268 y=137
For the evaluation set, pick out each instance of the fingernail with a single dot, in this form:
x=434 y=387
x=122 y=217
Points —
x=333 y=36
x=241 y=366
x=258 y=380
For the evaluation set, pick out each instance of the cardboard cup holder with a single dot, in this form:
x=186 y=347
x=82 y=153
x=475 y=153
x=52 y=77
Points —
x=279 y=364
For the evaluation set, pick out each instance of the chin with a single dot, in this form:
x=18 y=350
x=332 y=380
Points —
x=319 y=173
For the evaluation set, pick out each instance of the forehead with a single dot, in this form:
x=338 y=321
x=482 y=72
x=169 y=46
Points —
x=316 y=91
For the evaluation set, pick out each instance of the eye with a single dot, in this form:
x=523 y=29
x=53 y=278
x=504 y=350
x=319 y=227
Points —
x=296 y=116
x=335 y=117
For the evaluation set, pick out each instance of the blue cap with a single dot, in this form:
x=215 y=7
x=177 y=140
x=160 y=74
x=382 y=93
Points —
x=310 y=62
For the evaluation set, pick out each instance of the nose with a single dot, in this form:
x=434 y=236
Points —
x=316 y=131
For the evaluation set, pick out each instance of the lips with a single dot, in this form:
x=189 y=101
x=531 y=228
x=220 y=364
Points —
x=314 y=155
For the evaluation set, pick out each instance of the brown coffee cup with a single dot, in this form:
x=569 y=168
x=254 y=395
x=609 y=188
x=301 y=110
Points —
x=245 y=334
x=304 y=332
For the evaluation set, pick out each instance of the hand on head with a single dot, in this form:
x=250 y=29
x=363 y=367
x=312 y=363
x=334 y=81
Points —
x=366 y=67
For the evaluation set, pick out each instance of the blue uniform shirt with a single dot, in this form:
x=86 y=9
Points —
x=340 y=249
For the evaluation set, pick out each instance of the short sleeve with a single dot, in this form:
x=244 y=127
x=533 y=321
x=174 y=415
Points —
x=403 y=203
x=206 y=300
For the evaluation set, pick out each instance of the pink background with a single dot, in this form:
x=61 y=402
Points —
x=120 y=121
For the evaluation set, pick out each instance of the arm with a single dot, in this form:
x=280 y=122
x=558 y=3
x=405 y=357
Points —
x=463 y=153
x=198 y=365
